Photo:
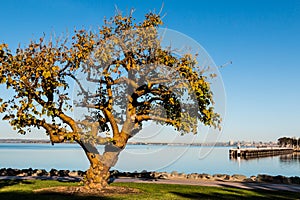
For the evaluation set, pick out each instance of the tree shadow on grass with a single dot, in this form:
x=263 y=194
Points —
x=58 y=192
x=4 y=183
x=232 y=193
x=212 y=195
x=264 y=186
x=48 y=196
x=271 y=191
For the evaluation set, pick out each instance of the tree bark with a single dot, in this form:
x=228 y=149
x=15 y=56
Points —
x=97 y=176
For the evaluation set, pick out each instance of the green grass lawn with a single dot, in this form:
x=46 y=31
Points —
x=23 y=189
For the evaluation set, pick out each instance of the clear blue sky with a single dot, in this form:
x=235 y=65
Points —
x=261 y=37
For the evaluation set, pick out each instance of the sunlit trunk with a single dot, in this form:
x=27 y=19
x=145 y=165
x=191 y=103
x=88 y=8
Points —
x=97 y=175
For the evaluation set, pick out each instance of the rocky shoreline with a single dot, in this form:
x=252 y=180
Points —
x=77 y=175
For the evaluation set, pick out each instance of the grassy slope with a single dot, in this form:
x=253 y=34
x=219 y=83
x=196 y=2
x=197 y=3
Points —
x=20 y=190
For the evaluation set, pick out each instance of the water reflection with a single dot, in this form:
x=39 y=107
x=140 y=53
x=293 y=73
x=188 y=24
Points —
x=290 y=158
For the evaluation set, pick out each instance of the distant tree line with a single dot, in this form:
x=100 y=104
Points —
x=287 y=141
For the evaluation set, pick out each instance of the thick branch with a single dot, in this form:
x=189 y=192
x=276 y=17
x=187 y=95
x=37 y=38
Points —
x=141 y=118
x=68 y=120
x=126 y=80
x=57 y=135
x=108 y=114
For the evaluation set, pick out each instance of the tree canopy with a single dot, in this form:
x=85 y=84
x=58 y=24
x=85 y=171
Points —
x=123 y=76
x=289 y=141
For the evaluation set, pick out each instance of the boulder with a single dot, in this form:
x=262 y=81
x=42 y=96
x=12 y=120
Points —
x=264 y=178
x=253 y=178
x=81 y=173
x=28 y=171
x=249 y=180
x=193 y=176
x=43 y=172
x=63 y=173
x=73 y=173
x=227 y=177
x=181 y=175
x=295 y=180
x=162 y=175
x=3 y=172
x=53 y=172
x=205 y=176
x=10 y=172
x=174 y=173
x=22 y=174
x=219 y=177
x=281 y=179
x=39 y=172
x=238 y=177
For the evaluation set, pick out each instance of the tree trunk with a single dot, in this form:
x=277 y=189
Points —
x=97 y=176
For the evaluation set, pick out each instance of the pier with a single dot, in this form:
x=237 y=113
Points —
x=247 y=153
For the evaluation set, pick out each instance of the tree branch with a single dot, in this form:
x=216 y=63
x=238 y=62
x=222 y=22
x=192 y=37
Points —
x=141 y=118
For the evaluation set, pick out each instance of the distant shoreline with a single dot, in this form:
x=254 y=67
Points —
x=28 y=141
x=23 y=141
x=43 y=141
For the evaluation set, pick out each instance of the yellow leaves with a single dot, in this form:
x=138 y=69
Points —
x=46 y=74
x=3 y=80
x=115 y=40
x=23 y=78
x=119 y=46
x=206 y=112
x=171 y=101
x=55 y=68
x=3 y=45
x=9 y=80
x=149 y=85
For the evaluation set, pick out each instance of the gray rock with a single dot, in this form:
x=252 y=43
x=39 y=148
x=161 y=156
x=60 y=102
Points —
x=181 y=175
x=253 y=178
x=248 y=180
x=238 y=177
x=10 y=172
x=3 y=172
x=53 y=172
x=264 y=178
x=63 y=173
x=227 y=177
x=41 y=172
x=219 y=177
x=295 y=180
x=29 y=171
x=161 y=175
x=281 y=179
x=193 y=176
x=73 y=173
x=81 y=173
x=174 y=173
x=205 y=176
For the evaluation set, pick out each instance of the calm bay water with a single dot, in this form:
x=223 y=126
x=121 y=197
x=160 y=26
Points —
x=186 y=159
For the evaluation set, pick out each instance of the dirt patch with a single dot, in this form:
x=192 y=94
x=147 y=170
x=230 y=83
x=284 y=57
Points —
x=82 y=191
